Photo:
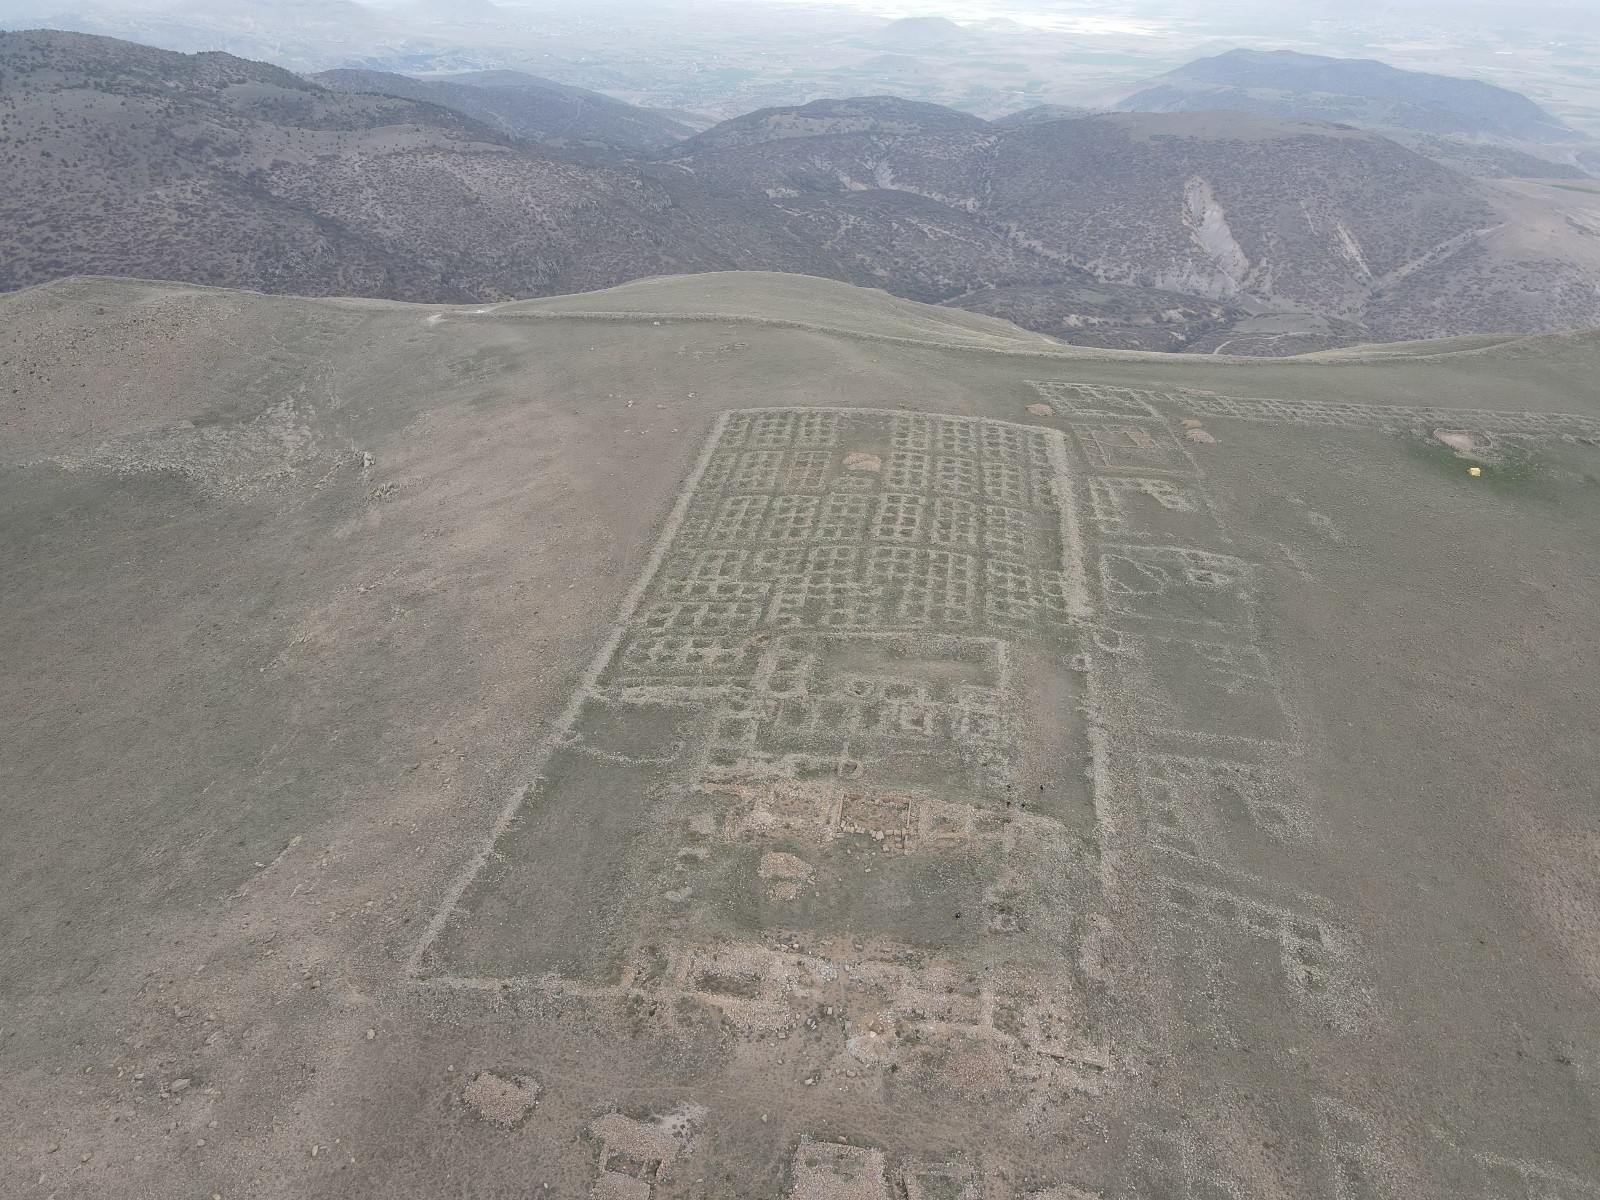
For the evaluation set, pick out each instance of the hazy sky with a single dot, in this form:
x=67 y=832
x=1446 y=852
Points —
x=1120 y=18
x=651 y=51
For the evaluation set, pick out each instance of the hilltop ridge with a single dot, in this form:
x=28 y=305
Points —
x=1288 y=83
x=508 y=708
x=526 y=106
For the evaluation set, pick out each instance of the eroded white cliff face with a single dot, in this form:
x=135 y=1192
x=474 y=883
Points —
x=1208 y=230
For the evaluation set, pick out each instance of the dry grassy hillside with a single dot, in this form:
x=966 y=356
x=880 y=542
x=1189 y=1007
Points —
x=1275 y=213
x=135 y=161
x=744 y=736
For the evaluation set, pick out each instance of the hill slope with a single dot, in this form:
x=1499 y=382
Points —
x=919 y=33
x=746 y=736
x=1274 y=212
x=211 y=168
x=526 y=106
x=1287 y=83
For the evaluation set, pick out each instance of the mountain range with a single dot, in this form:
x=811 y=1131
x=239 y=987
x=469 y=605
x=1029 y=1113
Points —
x=723 y=58
x=1362 y=91
x=529 y=107
x=1179 y=231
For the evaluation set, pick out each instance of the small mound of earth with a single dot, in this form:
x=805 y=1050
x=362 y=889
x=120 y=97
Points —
x=777 y=865
x=789 y=872
x=1041 y=410
x=860 y=460
x=1199 y=435
x=504 y=1101
x=1465 y=443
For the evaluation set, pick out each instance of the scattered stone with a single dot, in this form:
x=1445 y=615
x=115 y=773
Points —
x=827 y=1171
x=650 y=1144
x=506 y=1102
